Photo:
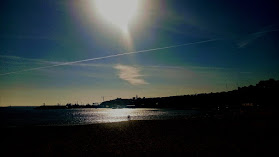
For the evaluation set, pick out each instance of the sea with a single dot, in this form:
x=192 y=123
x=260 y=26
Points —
x=28 y=116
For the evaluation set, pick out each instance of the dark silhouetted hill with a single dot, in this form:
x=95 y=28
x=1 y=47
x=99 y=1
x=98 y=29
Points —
x=263 y=95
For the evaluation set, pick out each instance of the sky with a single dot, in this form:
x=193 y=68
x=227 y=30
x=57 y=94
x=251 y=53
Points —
x=70 y=51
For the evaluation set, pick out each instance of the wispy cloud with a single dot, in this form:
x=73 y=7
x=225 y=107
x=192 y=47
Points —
x=130 y=74
x=21 y=60
x=252 y=37
x=17 y=59
x=112 y=56
x=248 y=40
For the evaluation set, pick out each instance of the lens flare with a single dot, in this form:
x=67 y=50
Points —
x=117 y=12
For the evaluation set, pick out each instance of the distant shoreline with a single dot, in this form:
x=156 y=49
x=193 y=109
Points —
x=261 y=96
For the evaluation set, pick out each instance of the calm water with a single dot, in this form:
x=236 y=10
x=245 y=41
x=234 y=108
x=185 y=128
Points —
x=26 y=116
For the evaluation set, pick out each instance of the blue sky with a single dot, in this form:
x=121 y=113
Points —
x=45 y=33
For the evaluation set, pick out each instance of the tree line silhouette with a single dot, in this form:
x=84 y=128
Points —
x=264 y=95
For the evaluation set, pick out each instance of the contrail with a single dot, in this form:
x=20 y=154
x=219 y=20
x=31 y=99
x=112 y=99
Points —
x=268 y=31
x=110 y=56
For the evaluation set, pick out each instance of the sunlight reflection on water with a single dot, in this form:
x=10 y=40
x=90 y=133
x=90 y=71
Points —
x=117 y=115
x=22 y=116
x=114 y=115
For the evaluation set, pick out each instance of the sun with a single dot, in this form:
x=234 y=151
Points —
x=117 y=12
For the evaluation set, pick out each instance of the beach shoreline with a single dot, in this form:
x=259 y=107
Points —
x=209 y=137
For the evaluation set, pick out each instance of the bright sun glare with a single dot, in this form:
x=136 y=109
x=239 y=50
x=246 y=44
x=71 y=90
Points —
x=117 y=12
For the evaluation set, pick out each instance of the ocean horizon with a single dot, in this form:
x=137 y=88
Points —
x=28 y=116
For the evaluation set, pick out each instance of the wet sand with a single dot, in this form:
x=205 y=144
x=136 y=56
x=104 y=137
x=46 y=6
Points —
x=195 y=137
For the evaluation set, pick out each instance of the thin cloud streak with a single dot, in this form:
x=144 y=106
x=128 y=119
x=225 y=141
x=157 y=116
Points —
x=111 y=56
x=130 y=74
x=17 y=59
x=23 y=60
x=253 y=37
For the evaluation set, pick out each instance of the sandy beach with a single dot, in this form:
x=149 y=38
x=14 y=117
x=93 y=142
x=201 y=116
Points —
x=195 y=137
